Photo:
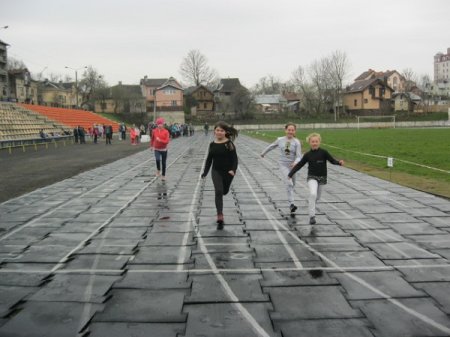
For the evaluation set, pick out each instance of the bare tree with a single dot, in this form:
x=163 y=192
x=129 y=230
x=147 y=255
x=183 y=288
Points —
x=90 y=83
x=13 y=63
x=339 y=69
x=195 y=70
x=410 y=78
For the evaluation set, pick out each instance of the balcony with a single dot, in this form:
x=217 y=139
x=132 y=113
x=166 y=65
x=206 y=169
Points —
x=169 y=108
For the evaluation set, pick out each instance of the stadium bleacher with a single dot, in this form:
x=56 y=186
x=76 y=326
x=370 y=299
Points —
x=18 y=123
x=72 y=117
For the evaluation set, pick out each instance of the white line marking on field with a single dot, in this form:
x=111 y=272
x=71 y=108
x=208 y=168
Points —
x=273 y=222
x=227 y=270
x=7 y=235
x=256 y=327
x=190 y=223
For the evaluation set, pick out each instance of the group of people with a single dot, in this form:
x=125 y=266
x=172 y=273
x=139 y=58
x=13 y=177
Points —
x=95 y=132
x=222 y=160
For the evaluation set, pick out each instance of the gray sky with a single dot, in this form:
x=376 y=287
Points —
x=125 y=40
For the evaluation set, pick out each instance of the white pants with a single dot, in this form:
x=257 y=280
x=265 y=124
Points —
x=289 y=185
x=315 y=190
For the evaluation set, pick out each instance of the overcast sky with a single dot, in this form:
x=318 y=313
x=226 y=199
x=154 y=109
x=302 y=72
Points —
x=125 y=40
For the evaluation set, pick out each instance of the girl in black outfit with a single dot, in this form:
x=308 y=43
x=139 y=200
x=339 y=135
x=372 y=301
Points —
x=317 y=171
x=222 y=155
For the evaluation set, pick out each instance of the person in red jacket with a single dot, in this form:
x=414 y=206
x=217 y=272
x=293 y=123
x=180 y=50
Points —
x=159 y=142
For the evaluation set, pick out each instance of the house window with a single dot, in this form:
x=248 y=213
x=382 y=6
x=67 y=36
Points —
x=174 y=103
x=366 y=100
x=355 y=102
x=205 y=105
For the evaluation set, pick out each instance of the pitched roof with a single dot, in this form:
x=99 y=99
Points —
x=359 y=86
x=153 y=82
x=191 y=90
x=269 y=99
x=229 y=85
x=130 y=89
x=365 y=75
x=172 y=82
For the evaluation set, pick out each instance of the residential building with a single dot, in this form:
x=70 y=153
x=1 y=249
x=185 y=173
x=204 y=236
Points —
x=406 y=101
x=23 y=89
x=442 y=67
x=270 y=103
x=392 y=77
x=230 y=96
x=365 y=97
x=169 y=101
x=56 y=94
x=121 y=98
x=199 y=99
x=148 y=87
x=4 y=88
x=293 y=101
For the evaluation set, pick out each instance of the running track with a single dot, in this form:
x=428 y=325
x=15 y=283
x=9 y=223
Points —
x=116 y=252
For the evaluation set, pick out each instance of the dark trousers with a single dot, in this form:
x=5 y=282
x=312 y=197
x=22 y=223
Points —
x=161 y=158
x=222 y=182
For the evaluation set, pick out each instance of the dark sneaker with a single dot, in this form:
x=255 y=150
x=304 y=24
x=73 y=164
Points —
x=220 y=221
x=312 y=220
x=293 y=208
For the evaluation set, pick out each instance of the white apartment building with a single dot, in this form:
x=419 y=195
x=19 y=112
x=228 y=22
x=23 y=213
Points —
x=442 y=67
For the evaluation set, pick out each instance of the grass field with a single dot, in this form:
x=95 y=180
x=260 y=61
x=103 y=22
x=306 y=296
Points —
x=429 y=147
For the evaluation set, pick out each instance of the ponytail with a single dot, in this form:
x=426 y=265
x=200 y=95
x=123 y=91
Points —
x=230 y=132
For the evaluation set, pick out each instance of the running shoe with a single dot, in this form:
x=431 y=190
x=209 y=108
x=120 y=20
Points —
x=293 y=208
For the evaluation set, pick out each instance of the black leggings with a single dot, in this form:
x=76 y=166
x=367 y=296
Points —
x=222 y=182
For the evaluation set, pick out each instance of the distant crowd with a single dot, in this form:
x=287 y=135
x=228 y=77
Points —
x=99 y=131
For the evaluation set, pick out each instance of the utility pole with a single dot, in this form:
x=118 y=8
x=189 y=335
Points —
x=76 y=81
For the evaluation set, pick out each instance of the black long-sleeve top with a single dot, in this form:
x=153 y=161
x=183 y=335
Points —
x=317 y=164
x=222 y=156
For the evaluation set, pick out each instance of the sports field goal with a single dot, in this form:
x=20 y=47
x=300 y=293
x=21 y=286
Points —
x=376 y=121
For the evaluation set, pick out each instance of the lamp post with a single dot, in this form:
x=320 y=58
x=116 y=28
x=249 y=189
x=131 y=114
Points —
x=76 y=80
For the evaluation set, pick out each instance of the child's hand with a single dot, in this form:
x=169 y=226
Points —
x=292 y=165
x=231 y=173
x=290 y=182
x=341 y=162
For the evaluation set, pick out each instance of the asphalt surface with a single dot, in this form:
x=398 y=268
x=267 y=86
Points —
x=24 y=172
x=115 y=251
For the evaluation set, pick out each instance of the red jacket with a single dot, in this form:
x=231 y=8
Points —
x=163 y=136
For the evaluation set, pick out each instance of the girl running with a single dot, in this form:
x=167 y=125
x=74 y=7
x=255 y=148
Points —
x=222 y=155
x=159 y=142
x=317 y=171
x=290 y=154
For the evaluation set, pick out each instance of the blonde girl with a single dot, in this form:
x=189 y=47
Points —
x=317 y=171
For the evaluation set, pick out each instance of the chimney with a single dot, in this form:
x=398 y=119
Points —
x=448 y=51
x=120 y=82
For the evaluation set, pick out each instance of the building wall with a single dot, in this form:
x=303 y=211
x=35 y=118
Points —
x=54 y=97
x=205 y=100
x=164 y=97
x=24 y=93
x=396 y=82
x=442 y=66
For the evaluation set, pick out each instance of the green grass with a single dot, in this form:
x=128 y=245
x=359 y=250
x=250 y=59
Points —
x=430 y=147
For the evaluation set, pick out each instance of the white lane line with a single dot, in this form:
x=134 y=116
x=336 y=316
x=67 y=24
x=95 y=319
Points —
x=412 y=312
x=29 y=223
x=256 y=327
x=272 y=221
x=227 y=270
x=190 y=223
x=107 y=221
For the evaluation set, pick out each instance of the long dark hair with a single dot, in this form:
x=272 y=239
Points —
x=230 y=132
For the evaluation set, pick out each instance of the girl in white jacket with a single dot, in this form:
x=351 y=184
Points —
x=290 y=154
